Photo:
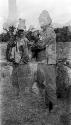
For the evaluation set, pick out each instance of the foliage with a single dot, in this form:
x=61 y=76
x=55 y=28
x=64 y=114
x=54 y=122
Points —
x=63 y=34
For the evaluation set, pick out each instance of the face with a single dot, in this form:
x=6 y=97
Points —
x=43 y=27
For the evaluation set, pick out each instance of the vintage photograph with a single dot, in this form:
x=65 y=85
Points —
x=35 y=62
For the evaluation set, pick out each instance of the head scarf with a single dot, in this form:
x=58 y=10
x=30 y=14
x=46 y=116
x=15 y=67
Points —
x=44 y=18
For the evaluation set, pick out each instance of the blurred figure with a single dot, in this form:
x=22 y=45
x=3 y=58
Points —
x=21 y=74
x=46 y=75
x=48 y=36
x=21 y=46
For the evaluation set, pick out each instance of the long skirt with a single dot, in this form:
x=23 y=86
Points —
x=46 y=79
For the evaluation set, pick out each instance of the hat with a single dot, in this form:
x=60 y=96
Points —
x=21 y=25
x=44 y=18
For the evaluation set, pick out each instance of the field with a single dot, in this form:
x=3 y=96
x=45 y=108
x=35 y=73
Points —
x=26 y=109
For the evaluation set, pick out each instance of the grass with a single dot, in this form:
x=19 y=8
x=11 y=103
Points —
x=27 y=109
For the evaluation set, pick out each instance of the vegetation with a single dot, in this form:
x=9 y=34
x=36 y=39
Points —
x=63 y=34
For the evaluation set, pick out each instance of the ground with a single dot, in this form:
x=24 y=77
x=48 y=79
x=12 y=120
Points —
x=28 y=109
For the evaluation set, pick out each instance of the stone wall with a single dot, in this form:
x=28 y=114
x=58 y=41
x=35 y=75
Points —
x=3 y=47
x=63 y=50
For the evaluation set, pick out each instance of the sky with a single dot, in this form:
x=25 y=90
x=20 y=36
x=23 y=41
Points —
x=59 y=10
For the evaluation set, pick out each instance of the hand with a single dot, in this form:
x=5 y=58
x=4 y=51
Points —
x=35 y=88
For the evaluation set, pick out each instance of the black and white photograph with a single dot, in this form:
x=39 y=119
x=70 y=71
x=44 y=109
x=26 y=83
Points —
x=35 y=62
